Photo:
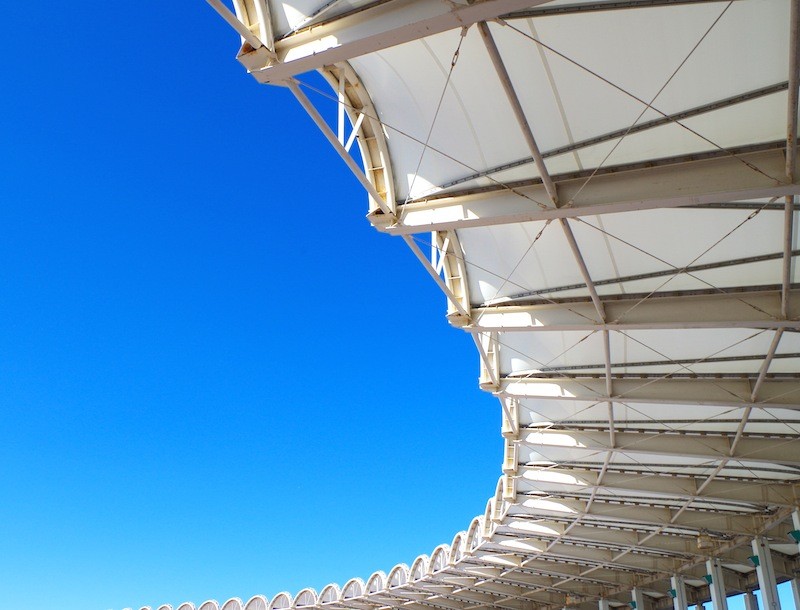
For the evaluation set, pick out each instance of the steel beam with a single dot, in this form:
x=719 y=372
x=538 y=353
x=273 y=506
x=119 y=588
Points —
x=700 y=392
x=637 y=599
x=678 y=593
x=586 y=366
x=372 y=30
x=632 y=513
x=717 y=310
x=516 y=107
x=593 y=7
x=707 y=446
x=716 y=585
x=603 y=537
x=762 y=558
x=658 y=183
x=764 y=492
x=620 y=133
x=550 y=291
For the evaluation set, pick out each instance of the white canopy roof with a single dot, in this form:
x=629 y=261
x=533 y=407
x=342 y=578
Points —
x=607 y=191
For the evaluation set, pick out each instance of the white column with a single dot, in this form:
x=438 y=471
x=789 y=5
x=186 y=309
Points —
x=796 y=591
x=750 y=601
x=637 y=597
x=796 y=528
x=716 y=585
x=766 y=574
x=603 y=605
x=679 y=588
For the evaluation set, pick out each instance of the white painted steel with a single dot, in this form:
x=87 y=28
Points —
x=767 y=581
x=645 y=352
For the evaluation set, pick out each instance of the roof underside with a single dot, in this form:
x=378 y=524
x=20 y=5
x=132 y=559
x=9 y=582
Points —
x=606 y=189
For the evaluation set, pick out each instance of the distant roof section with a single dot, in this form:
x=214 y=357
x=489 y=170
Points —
x=608 y=193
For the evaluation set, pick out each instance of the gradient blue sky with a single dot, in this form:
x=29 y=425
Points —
x=217 y=379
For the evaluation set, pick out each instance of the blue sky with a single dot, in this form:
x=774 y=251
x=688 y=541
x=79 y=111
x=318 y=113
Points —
x=218 y=379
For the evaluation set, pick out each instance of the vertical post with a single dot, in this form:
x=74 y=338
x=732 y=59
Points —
x=796 y=530
x=637 y=599
x=603 y=605
x=750 y=601
x=762 y=558
x=678 y=593
x=716 y=585
x=340 y=97
x=796 y=591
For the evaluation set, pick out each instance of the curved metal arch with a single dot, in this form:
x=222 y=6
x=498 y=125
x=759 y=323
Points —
x=257 y=602
x=281 y=601
x=305 y=598
x=439 y=559
x=376 y=582
x=357 y=105
x=419 y=569
x=353 y=588
x=330 y=593
x=398 y=576
x=457 y=548
x=448 y=258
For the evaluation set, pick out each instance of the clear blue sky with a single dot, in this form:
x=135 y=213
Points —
x=217 y=379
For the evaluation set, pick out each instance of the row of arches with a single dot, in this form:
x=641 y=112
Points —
x=442 y=557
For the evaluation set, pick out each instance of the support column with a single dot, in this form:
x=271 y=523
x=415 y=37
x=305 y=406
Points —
x=603 y=605
x=762 y=558
x=678 y=593
x=637 y=599
x=795 y=533
x=796 y=591
x=750 y=601
x=716 y=585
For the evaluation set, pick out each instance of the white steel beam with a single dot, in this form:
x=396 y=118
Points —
x=631 y=513
x=796 y=591
x=372 y=30
x=548 y=479
x=707 y=446
x=795 y=532
x=618 y=539
x=678 y=593
x=516 y=107
x=712 y=392
x=682 y=182
x=766 y=574
x=720 y=310
x=716 y=585
x=637 y=599
x=791 y=146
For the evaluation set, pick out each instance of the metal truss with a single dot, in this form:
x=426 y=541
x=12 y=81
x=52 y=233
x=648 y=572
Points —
x=673 y=182
x=624 y=498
